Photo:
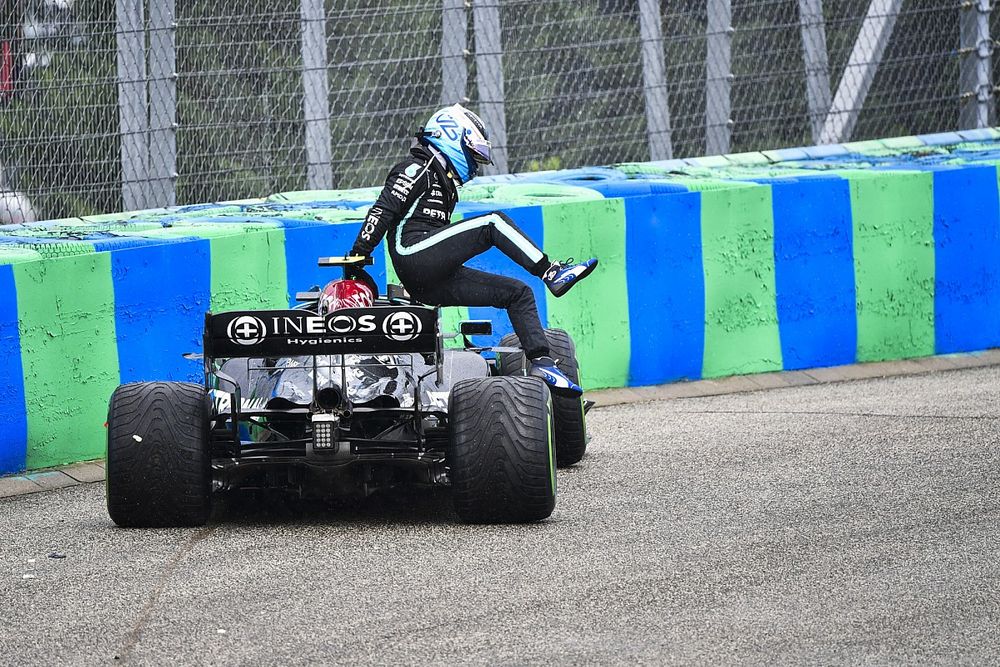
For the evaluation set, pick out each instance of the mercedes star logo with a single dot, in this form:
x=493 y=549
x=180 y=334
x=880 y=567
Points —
x=402 y=326
x=246 y=330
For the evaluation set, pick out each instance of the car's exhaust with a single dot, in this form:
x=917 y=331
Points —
x=329 y=398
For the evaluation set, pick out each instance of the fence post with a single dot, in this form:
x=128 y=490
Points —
x=817 y=64
x=454 y=45
x=133 y=119
x=316 y=96
x=489 y=77
x=976 y=78
x=654 y=80
x=860 y=71
x=162 y=163
x=718 y=77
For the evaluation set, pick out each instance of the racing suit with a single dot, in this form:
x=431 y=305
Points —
x=428 y=250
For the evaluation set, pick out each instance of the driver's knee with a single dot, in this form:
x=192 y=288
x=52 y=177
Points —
x=517 y=293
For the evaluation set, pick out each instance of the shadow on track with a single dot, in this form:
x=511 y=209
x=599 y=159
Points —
x=411 y=507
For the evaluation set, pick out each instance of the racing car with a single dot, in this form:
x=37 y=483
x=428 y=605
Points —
x=350 y=393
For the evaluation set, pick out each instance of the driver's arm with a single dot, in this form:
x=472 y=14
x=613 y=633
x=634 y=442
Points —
x=406 y=183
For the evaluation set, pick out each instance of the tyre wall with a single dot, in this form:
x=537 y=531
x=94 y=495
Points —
x=709 y=267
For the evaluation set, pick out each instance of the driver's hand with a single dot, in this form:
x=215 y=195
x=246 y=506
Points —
x=354 y=271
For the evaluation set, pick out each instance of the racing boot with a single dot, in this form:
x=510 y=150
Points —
x=559 y=384
x=561 y=276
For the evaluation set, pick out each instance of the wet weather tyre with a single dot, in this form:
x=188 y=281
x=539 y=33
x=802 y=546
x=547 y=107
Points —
x=501 y=457
x=570 y=420
x=159 y=460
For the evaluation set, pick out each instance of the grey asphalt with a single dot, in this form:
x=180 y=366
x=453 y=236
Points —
x=831 y=524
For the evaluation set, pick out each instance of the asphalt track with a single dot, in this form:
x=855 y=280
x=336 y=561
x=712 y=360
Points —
x=848 y=523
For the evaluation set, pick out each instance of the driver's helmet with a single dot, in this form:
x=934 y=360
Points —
x=344 y=293
x=462 y=137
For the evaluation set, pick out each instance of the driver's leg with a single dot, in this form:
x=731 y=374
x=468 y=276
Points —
x=469 y=287
x=457 y=243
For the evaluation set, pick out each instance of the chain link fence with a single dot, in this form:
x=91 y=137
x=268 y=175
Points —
x=109 y=105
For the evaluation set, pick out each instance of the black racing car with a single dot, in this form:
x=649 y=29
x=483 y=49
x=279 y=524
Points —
x=344 y=402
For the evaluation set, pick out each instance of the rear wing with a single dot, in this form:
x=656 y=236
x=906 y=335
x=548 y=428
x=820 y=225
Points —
x=288 y=333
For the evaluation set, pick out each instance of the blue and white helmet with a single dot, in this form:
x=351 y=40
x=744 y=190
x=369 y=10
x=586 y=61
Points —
x=461 y=136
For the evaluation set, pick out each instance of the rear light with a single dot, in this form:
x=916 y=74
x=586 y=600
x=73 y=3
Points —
x=324 y=432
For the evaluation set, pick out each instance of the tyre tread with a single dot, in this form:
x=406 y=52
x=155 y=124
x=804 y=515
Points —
x=570 y=421
x=163 y=478
x=499 y=455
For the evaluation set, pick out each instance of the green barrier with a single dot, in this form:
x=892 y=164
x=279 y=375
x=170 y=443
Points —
x=68 y=228
x=526 y=194
x=893 y=216
x=596 y=317
x=741 y=319
x=244 y=202
x=13 y=255
x=641 y=169
x=178 y=216
x=333 y=215
x=66 y=321
x=125 y=217
x=205 y=230
x=711 y=161
x=249 y=271
x=874 y=148
x=903 y=143
x=306 y=196
x=710 y=184
x=56 y=249
x=754 y=158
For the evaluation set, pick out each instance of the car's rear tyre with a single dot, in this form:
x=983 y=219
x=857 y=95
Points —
x=159 y=462
x=501 y=457
x=570 y=421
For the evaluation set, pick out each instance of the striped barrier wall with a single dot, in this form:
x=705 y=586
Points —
x=738 y=271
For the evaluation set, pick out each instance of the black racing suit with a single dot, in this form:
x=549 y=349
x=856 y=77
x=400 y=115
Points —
x=428 y=250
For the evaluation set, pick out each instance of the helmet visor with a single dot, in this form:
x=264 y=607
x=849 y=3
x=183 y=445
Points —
x=480 y=148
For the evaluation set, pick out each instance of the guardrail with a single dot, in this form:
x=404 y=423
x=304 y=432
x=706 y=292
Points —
x=709 y=267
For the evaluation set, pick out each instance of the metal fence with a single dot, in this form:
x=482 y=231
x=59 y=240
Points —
x=124 y=104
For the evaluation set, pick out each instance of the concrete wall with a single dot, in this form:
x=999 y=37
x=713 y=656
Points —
x=760 y=263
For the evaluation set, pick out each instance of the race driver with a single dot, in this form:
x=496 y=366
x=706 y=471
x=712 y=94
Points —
x=428 y=251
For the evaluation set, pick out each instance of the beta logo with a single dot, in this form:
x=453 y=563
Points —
x=246 y=330
x=402 y=326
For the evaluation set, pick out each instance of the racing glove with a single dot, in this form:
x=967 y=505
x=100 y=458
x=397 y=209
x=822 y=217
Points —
x=357 y=272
